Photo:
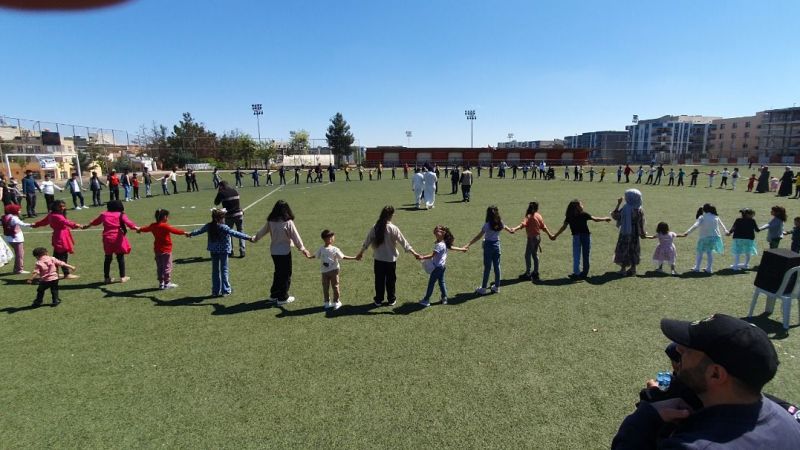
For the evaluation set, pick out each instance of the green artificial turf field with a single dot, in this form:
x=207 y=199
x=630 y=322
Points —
x=553 y=365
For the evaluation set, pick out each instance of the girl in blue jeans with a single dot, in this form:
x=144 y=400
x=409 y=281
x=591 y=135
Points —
x=578 y=221
x=219 y=245
x=491 y=248
x=437 y=260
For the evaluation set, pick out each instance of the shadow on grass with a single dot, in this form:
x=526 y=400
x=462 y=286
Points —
x=15 y=309
x=134 y=293
x=63 y=285
x=368 y=309
x=222 y=310
x=408 y=308
x=183 y=301
x=773 y=328
x=411 y=208
x=192 y=260
x=455 y=201
x=299 y=312
x=464 y=297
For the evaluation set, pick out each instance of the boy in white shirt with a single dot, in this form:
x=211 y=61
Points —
x=49 y=190
x=329 y=257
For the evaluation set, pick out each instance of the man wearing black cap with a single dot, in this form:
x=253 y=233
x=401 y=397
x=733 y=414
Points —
x=726 y=362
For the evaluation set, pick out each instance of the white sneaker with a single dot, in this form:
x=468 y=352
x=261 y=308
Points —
x=337 y=305
x=495 y=289
x=290 y=299
x=326 y=304
x=22 y=272
x=444 y=300
x=481 y=291
x=170 y=285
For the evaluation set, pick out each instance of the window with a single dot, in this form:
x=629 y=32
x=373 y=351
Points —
x=746 y=134
x=722 y=126
x=744 y=145
x=747 y=124
x=735 y=125
x=720 y=136
x=733 y=135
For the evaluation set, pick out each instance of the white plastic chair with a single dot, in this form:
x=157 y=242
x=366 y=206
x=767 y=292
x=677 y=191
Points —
x=786 y=299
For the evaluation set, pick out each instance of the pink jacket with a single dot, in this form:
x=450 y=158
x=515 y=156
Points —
x=62 y=236
x=114 y=242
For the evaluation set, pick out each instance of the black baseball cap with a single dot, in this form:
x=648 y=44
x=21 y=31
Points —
x=743 y=349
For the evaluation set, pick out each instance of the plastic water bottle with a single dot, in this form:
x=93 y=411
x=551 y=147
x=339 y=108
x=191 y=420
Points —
x=667 y=380
x=660 y=380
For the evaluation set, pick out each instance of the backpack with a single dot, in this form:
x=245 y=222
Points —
x=8 y=229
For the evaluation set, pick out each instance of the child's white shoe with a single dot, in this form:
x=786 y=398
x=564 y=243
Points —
x=337 y=305
x=326 y=304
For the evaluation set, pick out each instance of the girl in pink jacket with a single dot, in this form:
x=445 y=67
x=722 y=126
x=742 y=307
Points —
x=63 y=243
x=115 y=227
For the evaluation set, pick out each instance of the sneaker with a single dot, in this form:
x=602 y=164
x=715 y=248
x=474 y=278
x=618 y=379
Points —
x=107 y=280
x=124 y=279
x=36 y=303
x=72 y=276
x=444 y=300
x=162 y=286
x=337 y=305
x=288 y=300
x=535 y=277
x=674 y=272
x=326 y=304
x=425 y=303
x=170 y=285
x=695 y=269
x=481 y=291
x=241 y=254
x=55 y=303
x=525 y=276
x=21 y=272
x=495 y=289
x=392 y=302
x=376 y=303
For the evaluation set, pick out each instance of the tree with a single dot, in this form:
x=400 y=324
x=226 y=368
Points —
x=298 y=145
x=340 y=139
x=265 y=151
x=89 y=157
x=190 y=141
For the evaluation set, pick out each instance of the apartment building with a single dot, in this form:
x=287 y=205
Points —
x=780 y=132
x=669 y=138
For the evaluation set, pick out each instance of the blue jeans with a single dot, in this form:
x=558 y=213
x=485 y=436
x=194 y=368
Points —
x=436 y=276
x=127 y=189
x=491 y=258
x=219 y=274
x=532 y=253
x=581 y=244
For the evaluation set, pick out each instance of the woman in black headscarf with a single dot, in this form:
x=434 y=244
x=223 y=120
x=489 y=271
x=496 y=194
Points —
x=787 y=180
x=763 y=181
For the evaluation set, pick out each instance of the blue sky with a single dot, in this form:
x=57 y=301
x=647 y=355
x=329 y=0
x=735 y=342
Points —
x=540 y=70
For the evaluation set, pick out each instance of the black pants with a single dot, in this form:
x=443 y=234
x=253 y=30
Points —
x=465 y=190
x=238 y=223
x=282 y=278
x=75 y=197
x=385 y=280
x=120 y=263
x=113 y=193
x=62 y=257
x=96 y=200
x=30 y=204
x=174 y=187
x=195 y=188
x=455 y=188
x=43 y=287
x=48 y=199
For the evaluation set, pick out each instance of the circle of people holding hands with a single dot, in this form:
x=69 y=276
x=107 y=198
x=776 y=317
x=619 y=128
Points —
x=384 y=238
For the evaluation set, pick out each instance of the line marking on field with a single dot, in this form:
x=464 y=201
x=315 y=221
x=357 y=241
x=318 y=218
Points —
x=262 y=198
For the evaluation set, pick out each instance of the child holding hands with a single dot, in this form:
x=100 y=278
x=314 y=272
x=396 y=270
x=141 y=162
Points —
x=534 y=225
x=436 y=262
x=329 y=257
x=46 y=271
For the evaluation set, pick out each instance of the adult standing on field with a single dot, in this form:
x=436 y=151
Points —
x=466 y=184
x=763 y=180
x=173 y=178
x=29 y=188
x=787 y=180
x=630 y=220
x=383 y=238
x=234 y=216
x=418 y=186
x=454 y=179
x=430 y=187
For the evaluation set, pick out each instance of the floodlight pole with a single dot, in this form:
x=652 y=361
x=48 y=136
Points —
x=258 y=111
x=470 y=113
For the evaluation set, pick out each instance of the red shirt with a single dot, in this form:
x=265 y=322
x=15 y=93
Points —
x=161 y=231
x=113 y=180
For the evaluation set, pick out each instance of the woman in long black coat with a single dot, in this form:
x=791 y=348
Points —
x=763 y=181
x=787 y=180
